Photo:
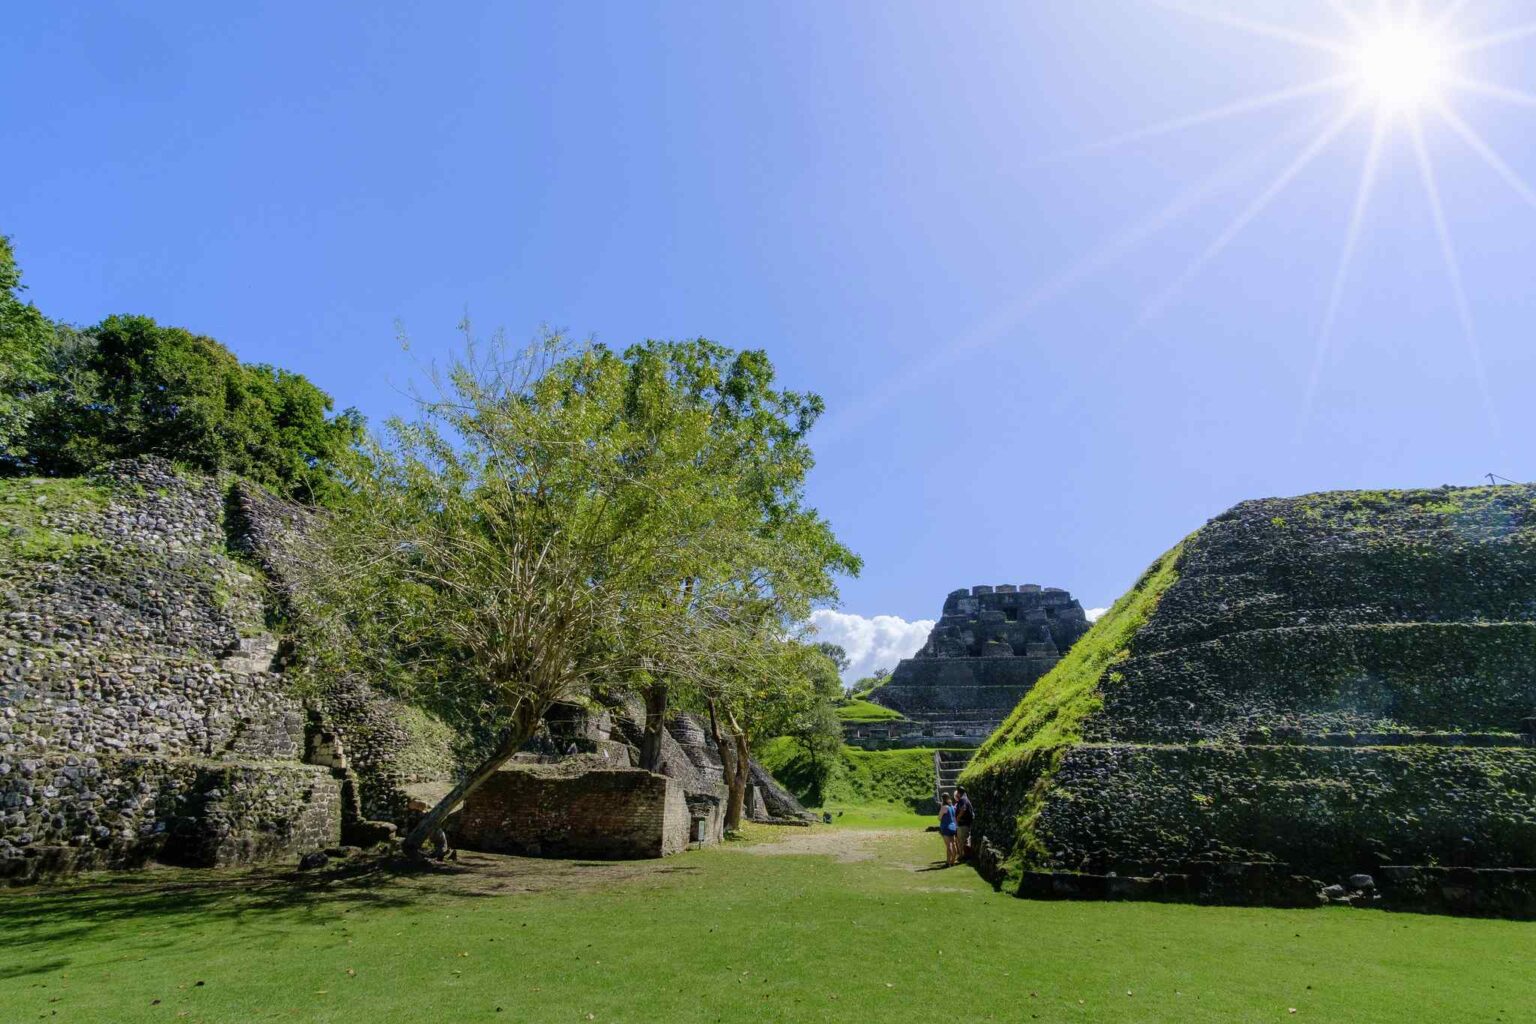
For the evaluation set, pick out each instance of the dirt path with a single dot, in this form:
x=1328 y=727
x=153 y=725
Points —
x=845 y=844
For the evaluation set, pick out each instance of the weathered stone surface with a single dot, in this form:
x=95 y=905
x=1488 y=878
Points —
x=148 y=711
x=688 y=754
x=579 y=808
x=987 y=650
x=1334 y=683
x=142 y=711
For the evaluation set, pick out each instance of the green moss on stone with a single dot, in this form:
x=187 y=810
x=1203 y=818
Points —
x=34 y=517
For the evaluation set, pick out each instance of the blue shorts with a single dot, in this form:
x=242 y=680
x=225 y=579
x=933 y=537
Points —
x=947 y=830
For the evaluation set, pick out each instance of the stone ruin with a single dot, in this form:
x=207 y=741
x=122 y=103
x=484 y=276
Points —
x=146 y=707
x=983 y=655
x=1323 y=698
x=585 y=807
x=140 y=714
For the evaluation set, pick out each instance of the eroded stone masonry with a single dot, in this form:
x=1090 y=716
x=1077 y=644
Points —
x=140 y=716
x=148 y=708
x=987 y=650
x=1324 y=697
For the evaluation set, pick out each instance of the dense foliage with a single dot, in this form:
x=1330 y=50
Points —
x=854 y=778
x=561 y=517
x=71 y=400
x=24 y=339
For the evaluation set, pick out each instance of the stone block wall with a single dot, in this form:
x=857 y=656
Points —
x=1319 y=687
x=989 y=648
x=64 y=813
x=392 y=746
x=576 y=810
x=139 y=714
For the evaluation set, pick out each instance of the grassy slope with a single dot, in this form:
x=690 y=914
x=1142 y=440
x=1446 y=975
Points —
x=860 y=710
x=1027 y=747
x=881 y=783
x=724 y=935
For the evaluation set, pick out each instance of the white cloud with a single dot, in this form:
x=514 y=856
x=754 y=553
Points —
x=1094 y=613
x=872 y=642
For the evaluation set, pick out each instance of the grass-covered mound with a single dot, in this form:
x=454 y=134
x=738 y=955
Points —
x=860 y=710
x=1326 y=685
x=854 y=927
x=1011 y=772
x=899 y=780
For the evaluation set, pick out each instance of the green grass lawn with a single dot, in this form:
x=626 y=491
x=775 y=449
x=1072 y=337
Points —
x=725 y=935
x=859 y=710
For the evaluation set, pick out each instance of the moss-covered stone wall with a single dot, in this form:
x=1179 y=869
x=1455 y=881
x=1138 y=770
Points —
x=1329 y=685
x=144 y=710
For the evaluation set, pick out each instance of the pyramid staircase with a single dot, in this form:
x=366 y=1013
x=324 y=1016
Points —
x=947 y=766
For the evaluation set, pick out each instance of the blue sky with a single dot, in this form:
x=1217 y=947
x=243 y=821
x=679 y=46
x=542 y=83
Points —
x=1038 y=368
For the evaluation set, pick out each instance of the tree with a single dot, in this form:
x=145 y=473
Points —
x=736 y=444
x=773 y=684
x=553 y=520
x=24 y=338
x=836 y=653
x=815 y=725
x=130 y=387
x=870 y=683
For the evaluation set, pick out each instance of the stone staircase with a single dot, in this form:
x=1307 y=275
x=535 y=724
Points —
x=947 y=766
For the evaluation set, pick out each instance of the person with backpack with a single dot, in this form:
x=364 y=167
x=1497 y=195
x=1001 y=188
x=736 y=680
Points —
x=965 y=814
x=947 y=829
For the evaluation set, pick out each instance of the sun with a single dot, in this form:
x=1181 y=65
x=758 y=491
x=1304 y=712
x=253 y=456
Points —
x=1404 y=67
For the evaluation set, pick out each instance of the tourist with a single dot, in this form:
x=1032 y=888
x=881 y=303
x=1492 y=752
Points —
x=964 y=815
x=947 y=829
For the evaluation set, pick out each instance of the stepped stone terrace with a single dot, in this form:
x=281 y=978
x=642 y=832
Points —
x=988 y=649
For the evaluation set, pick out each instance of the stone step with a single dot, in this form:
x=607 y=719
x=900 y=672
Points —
x=947 y=768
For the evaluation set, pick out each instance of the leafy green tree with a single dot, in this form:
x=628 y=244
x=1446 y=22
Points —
x=870 y=683
x=836 y=653
x=556 y=519
x=130 y=387
x=713 y=427
x=815 y=725
x=25 y=335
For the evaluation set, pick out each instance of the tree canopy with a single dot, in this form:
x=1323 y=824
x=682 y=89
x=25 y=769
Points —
x=564 y=517
x=25 y=335
x=73 y=399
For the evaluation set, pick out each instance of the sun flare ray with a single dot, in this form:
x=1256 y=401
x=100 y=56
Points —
x=1453 y=272
x=1000 y=321
x=1235 y=227
x=1354 y=20
x=1494 y=91
x=1448 y=15
x=1480 y=146
x=1259 y=28
x=1227 y=110
x=1508 y=35
x=1341 y=272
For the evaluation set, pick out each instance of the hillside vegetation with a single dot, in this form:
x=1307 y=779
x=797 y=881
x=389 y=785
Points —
x=74 y=399
x=860 y=710
x=855 y=778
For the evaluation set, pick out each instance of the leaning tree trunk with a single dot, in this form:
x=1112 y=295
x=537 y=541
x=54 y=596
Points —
x=518 y=733
x=655 y=726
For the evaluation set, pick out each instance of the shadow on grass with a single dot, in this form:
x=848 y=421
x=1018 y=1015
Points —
x=33 y=918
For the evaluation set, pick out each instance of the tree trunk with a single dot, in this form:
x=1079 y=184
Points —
x=735 y=766
x=736 y=806
x=519 y=733
x=655 y=725
x=727 y=764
